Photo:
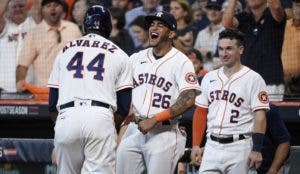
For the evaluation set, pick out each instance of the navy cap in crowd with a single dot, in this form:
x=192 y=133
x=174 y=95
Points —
x=214 y=4
x=45 y=2
x=165 y=17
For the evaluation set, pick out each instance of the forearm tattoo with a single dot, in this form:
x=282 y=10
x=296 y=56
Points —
x=185 y=100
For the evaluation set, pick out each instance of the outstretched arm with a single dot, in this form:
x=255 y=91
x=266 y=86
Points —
x=3 y=7
x=36 y=11
x=228 y=19
x=185 y=100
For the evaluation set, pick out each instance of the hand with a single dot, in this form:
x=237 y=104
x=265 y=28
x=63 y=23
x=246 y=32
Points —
x=20 y=86
x=53 y=157
x=145 y=125
x=196 y=155
x=130 y=118
x=255 y=159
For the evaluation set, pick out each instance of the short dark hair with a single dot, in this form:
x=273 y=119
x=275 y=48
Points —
x=196 y=52
x=141 y=22
x=231 y=34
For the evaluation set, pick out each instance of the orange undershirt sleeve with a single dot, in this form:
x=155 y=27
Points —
x=199 y=125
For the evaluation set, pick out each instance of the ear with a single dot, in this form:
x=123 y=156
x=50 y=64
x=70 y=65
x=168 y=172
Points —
x=241 y=49
x=172 y=34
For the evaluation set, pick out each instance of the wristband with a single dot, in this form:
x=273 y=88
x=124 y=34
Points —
x=163 y=116
x=258 y=141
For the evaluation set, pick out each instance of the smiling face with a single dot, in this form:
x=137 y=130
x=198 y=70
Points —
x=230 y=52
x=160 y=34
x=214 y=15
x=52 y=13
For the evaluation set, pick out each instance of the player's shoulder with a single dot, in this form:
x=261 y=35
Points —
x=252 y=73
x=142 y=54
x=178 y=56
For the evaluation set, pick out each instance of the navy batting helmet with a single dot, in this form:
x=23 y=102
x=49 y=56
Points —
x=97 y=19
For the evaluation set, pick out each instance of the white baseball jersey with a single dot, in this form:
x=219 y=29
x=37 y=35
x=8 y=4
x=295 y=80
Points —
x=11 y=42
x=95 y=73
x=158 y=83
x=232 y=101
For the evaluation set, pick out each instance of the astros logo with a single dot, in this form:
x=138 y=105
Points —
x=263 y=97
x=191 y=78
x=159 y=14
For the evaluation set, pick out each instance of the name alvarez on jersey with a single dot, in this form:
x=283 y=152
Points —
x=88 y=43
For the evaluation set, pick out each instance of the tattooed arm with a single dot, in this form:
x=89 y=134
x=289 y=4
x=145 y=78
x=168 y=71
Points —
x=185 y=100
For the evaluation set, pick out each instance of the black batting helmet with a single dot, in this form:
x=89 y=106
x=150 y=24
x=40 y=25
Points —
x=97 y=20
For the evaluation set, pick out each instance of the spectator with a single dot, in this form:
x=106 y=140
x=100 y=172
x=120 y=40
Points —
x=139 y=27
x=148 y=7
x=291 y=45
x=79 y=8
x=42 y=44
x=276 y=144
x=238 y=8
x=287 y=6
x=185 y=35
x=263 y=26
x=15 y=22
x=125 y=5
x=119 y=35
x=207 y=39
x=200 y=20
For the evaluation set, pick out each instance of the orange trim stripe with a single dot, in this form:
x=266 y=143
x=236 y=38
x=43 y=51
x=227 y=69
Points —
x=226 y=100
x=219 y=105
x=183 y=89
x=201 y=105
x=125 y=86
x=145 y=97
x=260 y=107
x=23 y=102
x=167 y=59
x=148 y=55
x=53 y=85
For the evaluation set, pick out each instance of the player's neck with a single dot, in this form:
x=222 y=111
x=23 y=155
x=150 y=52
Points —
x=229 y=71
x=162 y=50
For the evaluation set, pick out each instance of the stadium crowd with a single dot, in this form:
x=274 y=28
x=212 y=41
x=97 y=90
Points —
x=32 y=32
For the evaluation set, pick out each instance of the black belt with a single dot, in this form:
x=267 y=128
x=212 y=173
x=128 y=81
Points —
x=225 y=140
x=93 y=103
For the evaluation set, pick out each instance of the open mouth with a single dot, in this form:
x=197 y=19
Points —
x=53 y=14
x=154 y=35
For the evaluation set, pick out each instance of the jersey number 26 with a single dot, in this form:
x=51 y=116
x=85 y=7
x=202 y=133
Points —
x=95 y=64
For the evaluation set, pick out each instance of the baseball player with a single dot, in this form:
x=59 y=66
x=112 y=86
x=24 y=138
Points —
x=91 y=78
x=234 y=102
x=165 y=85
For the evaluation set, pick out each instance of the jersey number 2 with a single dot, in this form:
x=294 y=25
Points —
x=235 y=114
x=96 y=65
